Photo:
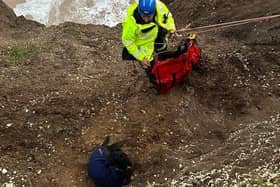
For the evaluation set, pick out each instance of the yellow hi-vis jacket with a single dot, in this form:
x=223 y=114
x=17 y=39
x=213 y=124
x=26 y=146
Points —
x=139 y=39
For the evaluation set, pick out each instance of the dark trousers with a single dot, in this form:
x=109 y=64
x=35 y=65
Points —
x=126 y=55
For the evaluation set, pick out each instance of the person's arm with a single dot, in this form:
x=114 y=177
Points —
x=128 y=38
x=164 y=17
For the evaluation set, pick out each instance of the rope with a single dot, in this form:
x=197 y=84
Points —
x=221 y=27
x=209 y=28
x=225 y=25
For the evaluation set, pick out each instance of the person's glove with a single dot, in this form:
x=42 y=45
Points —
x=145 y=63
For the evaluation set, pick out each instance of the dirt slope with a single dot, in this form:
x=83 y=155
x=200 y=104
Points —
x=8 y=17
x=64 y=88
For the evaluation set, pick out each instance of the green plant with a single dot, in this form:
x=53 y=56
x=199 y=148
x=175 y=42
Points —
x=21 y=52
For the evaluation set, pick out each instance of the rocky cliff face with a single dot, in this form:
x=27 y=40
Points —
x=64 y=88
x=15 y=27
x=7 y=16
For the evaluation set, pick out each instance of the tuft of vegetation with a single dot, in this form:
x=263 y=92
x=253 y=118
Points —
x=21 y=52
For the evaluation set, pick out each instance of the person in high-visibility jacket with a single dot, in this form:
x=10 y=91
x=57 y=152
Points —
x=145 y=30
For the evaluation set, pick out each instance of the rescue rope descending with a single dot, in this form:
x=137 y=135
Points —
x=213 y=27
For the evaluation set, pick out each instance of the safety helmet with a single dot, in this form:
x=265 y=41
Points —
x=147 y=7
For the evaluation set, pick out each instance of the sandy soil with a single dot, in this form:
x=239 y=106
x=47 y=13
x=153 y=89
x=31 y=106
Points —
x=221 y=127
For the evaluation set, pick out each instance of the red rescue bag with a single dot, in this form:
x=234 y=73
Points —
x=170 y=68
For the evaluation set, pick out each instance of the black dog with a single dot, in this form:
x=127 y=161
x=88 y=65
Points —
x=109 y=166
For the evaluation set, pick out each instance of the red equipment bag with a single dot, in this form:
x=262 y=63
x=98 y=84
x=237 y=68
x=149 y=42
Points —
x=170 y=68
